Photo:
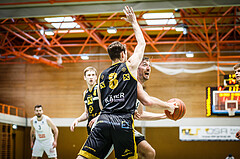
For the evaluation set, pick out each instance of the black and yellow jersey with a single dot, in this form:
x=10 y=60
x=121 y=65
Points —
x=118 y=89
x=92 y=103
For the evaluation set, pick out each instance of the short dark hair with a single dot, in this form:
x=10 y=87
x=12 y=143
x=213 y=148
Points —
x=114 y=50
x=145 y=59
x=37 y=106
x=236 y=66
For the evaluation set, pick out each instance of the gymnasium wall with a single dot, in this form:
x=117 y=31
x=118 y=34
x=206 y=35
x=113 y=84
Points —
x=60 y=90
x=20 y=139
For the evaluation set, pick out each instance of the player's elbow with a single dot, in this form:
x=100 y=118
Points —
x=142 y=43
x=55 y=130
x=146 y=102
x=151 y=154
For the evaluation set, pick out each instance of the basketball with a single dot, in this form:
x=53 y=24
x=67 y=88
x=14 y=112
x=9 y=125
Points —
x=178 y=112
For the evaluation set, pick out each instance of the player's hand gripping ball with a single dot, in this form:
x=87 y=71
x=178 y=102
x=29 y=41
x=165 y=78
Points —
x=178 y=112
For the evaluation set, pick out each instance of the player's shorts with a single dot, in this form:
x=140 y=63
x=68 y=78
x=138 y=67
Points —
x=117 y=129
x=139 y=137
x=44 y=145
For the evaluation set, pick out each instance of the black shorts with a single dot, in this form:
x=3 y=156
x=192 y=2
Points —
x=139 y=137
x=111 y=129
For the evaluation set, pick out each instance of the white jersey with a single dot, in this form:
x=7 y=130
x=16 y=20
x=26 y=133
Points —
x=42 y=130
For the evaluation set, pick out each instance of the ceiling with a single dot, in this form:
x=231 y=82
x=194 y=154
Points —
x=213 y=30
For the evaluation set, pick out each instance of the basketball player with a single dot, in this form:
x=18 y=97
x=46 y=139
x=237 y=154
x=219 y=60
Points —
x=90 y=99
x=236 y=69
x=41 y=130
x=145 y=150
x=117 y=97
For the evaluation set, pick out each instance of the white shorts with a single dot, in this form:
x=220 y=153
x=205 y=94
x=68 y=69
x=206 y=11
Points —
x=44 y=145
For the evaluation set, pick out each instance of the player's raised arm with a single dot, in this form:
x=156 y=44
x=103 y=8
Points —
x=136 y=58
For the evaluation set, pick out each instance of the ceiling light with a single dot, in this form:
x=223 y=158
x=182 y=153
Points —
x=176 y=10
x=64 y=22
x=36 y=57
x=112 y=30
x=59 y=59
x=179 y=28
x=161 y=21
x=65 y=25
x=189 y=54
x=84 y=57
x=160 y=28
x=183 y=28
x=49 y=32
x=69 y=31
x=14 y=126
x=42 y=31
x=56 y=19
x=185 y=31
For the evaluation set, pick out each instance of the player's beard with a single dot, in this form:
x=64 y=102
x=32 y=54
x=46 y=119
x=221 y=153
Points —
x=238 y=79
x=145 y=77
x=39 y=115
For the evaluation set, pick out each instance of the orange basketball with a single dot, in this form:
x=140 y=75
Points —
x=178 y=112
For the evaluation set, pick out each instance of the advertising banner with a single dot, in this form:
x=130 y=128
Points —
x=208 y=133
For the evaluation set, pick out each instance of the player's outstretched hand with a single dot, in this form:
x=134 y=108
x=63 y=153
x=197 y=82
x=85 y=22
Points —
x=136 y=115
x=54 y=144
x=130 y=15
x=238 y=134
x=163 y=116
x=92 y=122
x=75 y=122
x=32 y=145
x=172 y=107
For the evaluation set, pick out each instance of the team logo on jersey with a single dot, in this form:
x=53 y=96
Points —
x=102 y=76
x=115 y=98
x=90 y=100
x=125 y=125
x=102 y=85
x=90 y=109
x=124 y=69
x=126 y=77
